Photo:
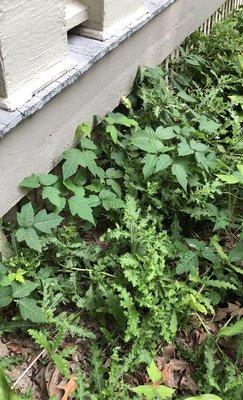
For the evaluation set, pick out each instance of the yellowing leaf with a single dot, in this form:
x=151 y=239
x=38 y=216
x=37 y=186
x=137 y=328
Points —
x=154 y=372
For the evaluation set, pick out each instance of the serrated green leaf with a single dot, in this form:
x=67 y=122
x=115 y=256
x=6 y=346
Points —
x=5 y=296
x=180 y=173
x=154 y=372
x=26 y=216
x=147 y=143
x=30 y=237
x=115 y=187
x=87 y=144
x=47 y=179
x=164 y=161
x=120 y=119
x=52 y=194
x=207 y=125
x=232 y=330
x=197 y=146
x=113 y=132
x=164 y=392
x=30 y=311
x=75 y=158
x=184 y=149
x=112 y=173
x=183 y=95
x=165 y=133
x=23 y=289
x=230 y=179
x=46 y=222
x=149 y=162
x=81 y=206
x=145 y=390
x=30 y=182
x=188 y=263
x=110 y=201
x=236 y=254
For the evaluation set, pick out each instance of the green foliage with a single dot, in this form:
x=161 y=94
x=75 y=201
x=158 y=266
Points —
x=140 y=235
x=155 y=390
x=5 y=392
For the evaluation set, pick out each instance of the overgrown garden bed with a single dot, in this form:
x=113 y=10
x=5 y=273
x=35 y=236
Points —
x=126 y=270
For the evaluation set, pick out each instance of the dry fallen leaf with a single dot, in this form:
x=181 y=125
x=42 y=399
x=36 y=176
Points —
x=69 y=388
x=232 y=310
x=4 y=352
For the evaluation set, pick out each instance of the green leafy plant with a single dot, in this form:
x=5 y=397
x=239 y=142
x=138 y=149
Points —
x=155 y=389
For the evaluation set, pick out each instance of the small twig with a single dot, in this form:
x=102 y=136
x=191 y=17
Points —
x=27 y=369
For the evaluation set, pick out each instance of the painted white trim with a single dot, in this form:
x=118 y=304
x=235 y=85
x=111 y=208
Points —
x=75 y=13
x=114 y=29
x=22 y=95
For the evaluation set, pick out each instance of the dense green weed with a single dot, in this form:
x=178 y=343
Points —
x=140 y=237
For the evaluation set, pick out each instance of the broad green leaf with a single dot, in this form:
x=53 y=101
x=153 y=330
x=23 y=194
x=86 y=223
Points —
x=188 y=263
x=148 y=144
x=164 y=161
x=70 y=185
x=23 y=289
x=236 y=254
x=52 y=194
x=30 y=182
x=110 y=201
x=240 y=168
x=3 y=269
x=47 y=179
x=29 y=310
x=183 y=95
x=149 y=162
x=241 y=61
x=197 y=146
x=87 y=144
x=46 y=222
x=26 y=216
x=184 y=149
x=165 y=133
x=164 y=392
x=154 y=372
x=204 y=397
x=5 y=296
x=83 y=129
x=232 y=330
x=180 y=173
x=120 y=119
x=236 y=99
x=81 y=206
x=113 y=132
x=230 y=179
x=30 y=237
x=114 y=185
x=75 y=158
x=112 y=173
x=145 y=390
x=207 y=125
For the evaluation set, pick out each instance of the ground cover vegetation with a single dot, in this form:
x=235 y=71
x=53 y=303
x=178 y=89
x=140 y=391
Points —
x=127 y=264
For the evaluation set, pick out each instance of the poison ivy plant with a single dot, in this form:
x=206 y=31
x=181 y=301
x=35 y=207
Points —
x=31 y=225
